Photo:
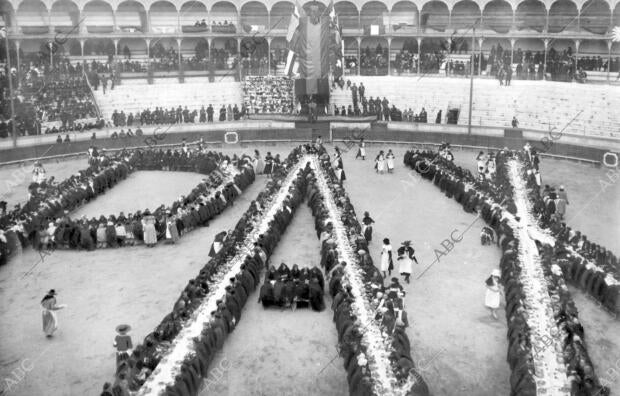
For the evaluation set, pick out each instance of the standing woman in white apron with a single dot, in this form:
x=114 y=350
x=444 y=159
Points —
x=339 y=166
x=361 y=151
x=386 y=258
x=390 y=161
x=380 y=162
x=493 y=293
x=259 y=165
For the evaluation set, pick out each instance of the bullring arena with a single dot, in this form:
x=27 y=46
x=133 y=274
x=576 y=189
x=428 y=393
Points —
x=183 y=188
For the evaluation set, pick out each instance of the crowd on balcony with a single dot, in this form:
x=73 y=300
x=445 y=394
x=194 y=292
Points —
x=268 y=94
x=374 y=61
x=49 y=99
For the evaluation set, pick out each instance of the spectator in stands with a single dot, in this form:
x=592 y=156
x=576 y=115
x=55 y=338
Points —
x=59 y=139
x=515 y=122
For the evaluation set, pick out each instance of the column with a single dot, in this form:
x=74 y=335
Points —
x=546 y=42
x=389 y=40
x=577 y=45
x=18 y=60
x=269 y=56
x=115 y=26
x=609 y=45
x=419 y=53
x=148 y=49
x=82 y=41
x=180 y=57
x=512 y=51
x=209 y=40
x=116 y=47
x=239 y=73
x=359 y=56
x=480 y=41
x=449 y=56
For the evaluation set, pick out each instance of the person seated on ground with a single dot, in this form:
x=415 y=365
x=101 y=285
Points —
x=487 y=236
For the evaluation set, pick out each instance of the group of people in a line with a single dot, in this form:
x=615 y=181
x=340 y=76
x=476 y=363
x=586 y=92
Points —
x=144 y=358
x=493 y=201
x=179 y=115
x=387 y=300
x=44 y=223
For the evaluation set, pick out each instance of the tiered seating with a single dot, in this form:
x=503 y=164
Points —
x=536 y=104
x=136 y=95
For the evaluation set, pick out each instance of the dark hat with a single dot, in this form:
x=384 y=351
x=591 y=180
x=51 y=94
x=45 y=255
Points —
x=123 y=328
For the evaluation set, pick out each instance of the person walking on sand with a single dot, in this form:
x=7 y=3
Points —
x=122 y=343
x=493 y=293
x=50 y=321
x=387 y=264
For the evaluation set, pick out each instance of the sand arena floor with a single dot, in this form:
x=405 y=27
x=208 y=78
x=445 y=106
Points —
x=459 y=349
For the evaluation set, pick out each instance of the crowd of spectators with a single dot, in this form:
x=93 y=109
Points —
x=49 y=99
x=268 y=94
x=374 y=62
x=363 y=106
x=179 y=115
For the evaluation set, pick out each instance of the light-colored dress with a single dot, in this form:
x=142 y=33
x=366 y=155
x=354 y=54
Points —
x=404 y=264
x=50 y=320
x=381 y=164
x=492 y=296
x=148 y=225
x=259 y=165
x=390 y=161
x=385 y=257
x=172 y=234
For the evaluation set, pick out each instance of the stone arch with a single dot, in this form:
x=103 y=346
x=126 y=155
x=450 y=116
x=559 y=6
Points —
x=32 y=17
x=65 y=16
x=531 y=15
x=348 y=15
x=98 y=17
x=254 y=17
x=595 y=17
x=562 y=16
x=434 y=16
x=497 y=16
x=281 y=15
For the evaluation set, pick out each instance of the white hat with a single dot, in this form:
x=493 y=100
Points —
x=496 y=272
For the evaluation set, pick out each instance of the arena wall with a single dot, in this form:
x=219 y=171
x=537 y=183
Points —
x=589 y=149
